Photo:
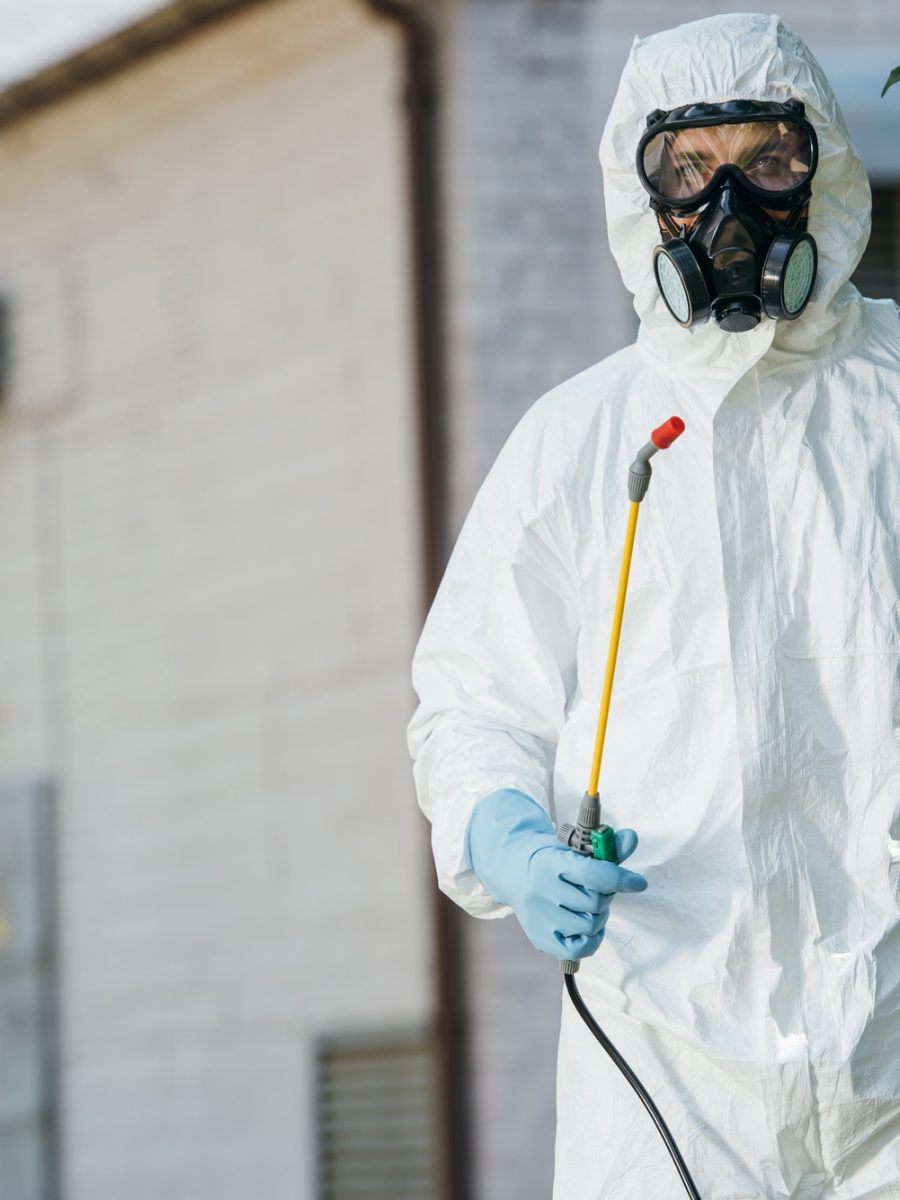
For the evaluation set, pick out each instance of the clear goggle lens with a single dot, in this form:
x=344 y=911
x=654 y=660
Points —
x=774 y=156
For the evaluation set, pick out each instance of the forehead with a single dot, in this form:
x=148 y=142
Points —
x=718 y=139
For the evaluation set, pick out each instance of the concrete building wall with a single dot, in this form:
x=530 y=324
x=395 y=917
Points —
x=209 y=585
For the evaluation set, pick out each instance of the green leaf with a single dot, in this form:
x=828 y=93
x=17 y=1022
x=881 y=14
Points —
x=893 y=78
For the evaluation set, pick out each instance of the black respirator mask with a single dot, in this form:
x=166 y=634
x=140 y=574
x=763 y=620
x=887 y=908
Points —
x=715 y=174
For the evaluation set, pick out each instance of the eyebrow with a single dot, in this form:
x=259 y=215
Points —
x=681 y=157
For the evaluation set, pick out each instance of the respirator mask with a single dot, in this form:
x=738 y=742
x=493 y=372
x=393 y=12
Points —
x=730 y=186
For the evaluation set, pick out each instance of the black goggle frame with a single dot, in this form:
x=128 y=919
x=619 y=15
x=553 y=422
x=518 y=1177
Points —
x=731 y=112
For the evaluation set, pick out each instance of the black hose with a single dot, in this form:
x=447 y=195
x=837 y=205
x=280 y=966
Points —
x=680 y=1166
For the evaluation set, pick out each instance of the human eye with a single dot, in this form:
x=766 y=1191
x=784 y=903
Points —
x=689 y=167
x=768 y=160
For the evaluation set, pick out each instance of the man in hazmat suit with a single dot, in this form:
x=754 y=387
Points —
x=754 y=734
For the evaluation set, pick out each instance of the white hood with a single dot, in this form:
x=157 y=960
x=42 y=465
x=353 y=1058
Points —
x=740 y=56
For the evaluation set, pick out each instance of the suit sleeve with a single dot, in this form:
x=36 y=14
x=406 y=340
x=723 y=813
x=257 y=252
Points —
x=495 y=666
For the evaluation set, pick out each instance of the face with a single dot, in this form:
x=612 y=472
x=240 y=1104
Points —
x=769 y=153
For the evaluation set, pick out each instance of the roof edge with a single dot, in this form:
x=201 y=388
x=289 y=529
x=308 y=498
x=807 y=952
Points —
x=102 y=59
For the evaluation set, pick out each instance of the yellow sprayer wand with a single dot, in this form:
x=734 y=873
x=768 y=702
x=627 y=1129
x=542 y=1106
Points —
x=589 y=836
x=612 y=653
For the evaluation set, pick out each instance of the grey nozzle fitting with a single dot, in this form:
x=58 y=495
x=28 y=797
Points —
x=565 y=833
x=578 y=837
x=589 y=813
x=639 y=473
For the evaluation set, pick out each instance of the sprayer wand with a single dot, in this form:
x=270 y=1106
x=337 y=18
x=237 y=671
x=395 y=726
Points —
x=589 y=836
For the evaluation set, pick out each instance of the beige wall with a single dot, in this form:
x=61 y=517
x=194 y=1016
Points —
x=209 y=584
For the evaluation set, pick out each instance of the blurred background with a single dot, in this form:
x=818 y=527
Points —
x=277 y=277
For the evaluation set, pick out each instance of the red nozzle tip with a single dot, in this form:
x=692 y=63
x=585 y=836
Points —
x=665 y=435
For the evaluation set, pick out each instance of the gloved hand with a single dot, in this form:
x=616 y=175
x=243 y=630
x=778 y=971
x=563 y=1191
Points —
x=560 y=897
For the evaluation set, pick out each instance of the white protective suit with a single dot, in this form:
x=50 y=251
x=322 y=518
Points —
x=754 y=736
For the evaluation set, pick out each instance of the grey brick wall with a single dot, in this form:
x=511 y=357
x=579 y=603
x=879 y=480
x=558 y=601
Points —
x=533 y=297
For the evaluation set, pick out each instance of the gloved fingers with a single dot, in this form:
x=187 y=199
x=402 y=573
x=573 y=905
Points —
x=555 y=943
x=577 y=946
x=604 y=877
x=573 y=923
x=580 y=899
x=626 y=843
x=562 y=932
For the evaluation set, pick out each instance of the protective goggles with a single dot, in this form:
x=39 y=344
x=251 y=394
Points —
x=770 y=147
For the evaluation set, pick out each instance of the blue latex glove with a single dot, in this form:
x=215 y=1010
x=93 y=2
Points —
x=560 y=897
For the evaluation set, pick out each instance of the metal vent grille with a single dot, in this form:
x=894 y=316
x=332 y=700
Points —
x=376 y=1115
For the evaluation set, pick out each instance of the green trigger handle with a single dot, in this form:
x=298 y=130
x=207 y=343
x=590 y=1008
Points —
x=603 y=843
